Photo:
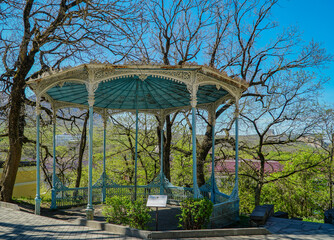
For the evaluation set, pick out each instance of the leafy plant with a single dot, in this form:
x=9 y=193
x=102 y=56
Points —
x=195 y=213
x=121 y=210
x=138 y=215
x=115 y=210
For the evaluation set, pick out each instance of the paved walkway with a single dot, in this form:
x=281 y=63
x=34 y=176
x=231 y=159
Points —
x=299 y=229
x=21 y=225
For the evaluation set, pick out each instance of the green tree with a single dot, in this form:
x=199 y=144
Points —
x=303 y=194
x=280 y=116
x=325 y=140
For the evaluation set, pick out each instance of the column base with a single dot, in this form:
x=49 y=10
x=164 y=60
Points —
x=53 y=199
x=90 y=214
x=197 y=192
x=38 y=205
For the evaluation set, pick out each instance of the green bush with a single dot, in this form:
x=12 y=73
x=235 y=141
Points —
x=123 y=211
x=139 y=215
x=116 y=210
x=195 y=213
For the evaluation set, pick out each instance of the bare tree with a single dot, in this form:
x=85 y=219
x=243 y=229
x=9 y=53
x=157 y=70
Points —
x=176 y=37
x=279 y=118
x=148 y=160
x=225 y=35
x=36 y=36
x=240 y=53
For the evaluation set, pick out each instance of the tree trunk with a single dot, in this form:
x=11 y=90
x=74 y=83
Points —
x=258 y=190
x=167 y=143
x=82 y=147
x=15 y=132
x=259 y=185
x=203 y=151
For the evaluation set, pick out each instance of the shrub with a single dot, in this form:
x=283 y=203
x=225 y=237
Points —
x=195 y=213
x=121 y=210
x=116 y=210
x=139 y=214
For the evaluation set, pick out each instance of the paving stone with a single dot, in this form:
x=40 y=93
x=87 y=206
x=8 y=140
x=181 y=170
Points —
x=21 y=225
x=280 y=214
x=310 y=226
x=274 y=229
x=327 y=226
x=24 y=226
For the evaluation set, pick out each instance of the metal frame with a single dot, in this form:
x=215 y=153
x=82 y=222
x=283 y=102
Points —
x=93 y=74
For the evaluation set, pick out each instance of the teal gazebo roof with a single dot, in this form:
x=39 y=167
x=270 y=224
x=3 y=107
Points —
x=143 y=87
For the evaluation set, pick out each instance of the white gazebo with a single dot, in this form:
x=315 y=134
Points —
x=152 y=89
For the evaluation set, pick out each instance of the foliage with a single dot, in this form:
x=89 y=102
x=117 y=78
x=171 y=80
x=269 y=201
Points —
x=195 y=213
x=121 y=210
x=302 y=194
x=115 y=210
x=182 y=164
x=138 y=214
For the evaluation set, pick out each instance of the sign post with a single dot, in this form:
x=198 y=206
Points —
x=156 y=201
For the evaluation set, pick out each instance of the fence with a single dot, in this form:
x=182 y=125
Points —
x=225 y=210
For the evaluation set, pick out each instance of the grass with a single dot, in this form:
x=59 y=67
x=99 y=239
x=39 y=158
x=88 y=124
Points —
x=46 y=201
x=315 y=220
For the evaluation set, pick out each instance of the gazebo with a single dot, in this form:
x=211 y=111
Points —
x=152 y=89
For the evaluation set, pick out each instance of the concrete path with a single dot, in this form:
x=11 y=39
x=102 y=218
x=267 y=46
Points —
x=21 y=225
x=294 y=229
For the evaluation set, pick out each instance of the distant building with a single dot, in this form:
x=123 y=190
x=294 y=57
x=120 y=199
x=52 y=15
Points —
x=228 y=166
x=67 y=139
x=313 y=140
x=25 y=183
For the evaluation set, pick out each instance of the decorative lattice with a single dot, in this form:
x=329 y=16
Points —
x=59 y=186
x=225 y=211
x=105 y=181
x=226 y=207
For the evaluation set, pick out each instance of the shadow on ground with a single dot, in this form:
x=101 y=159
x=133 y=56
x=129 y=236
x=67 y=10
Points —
x=167 y=217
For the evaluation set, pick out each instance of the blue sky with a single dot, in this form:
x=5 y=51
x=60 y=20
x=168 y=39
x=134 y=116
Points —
x=315 y=19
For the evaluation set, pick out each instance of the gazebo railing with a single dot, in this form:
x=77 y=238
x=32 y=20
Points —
x=68 y=197
x=225 y=213
x=225 y=209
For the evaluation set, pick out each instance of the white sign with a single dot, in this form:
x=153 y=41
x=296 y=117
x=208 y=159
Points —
x=156 y=201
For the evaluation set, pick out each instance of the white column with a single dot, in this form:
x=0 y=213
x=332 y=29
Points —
x=91 y=87
x=193 y=94
x=38 y=196
x=104 y=158
x=53 y=191
x=213 y=183
x=162 y=123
